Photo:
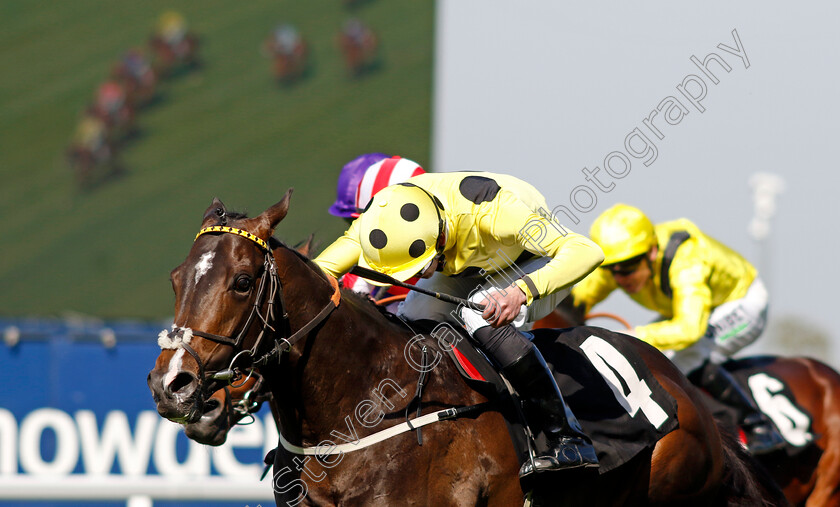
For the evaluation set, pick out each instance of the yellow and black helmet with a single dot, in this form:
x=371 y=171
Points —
x=399 y=231
x=622 y=232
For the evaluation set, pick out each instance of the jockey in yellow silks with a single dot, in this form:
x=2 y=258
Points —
x=171 y=27
x=361 y=179
x=486 y=237
x=710 y=300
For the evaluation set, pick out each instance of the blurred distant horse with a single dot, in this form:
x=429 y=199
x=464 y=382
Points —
x=360 y=47
x=169 y=58
x=289 y=53
x=111 y=106
x=173 y=46
x=289 y=67
x=91 y=155
x=138 y=78
x=812 y=477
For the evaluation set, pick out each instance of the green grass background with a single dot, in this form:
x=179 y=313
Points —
x=226 y=130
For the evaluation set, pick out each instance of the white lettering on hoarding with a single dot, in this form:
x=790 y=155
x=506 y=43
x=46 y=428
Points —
x=66 y=443
x=115 y=440
x=197 y=462
x=225 y=461
x=81 y=443
x=8 y=443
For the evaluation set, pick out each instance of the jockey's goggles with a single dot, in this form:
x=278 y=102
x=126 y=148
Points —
x=626 y=268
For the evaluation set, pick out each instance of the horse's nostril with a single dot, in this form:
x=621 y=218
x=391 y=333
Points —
x=181 y=381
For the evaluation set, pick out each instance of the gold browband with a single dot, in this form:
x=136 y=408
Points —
x=238 y=232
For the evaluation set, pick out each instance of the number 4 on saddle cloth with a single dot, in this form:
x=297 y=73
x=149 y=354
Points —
x=773 y=396
x=613 y=394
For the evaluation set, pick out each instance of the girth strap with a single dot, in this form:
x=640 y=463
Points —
x=418 y=395
x=470 y=411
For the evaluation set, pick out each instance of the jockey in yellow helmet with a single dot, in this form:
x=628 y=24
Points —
x=711 y=301
x=463 y=233
x=171 y=27
x=91 y=134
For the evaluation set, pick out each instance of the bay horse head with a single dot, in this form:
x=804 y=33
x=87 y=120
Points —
x=225 y=295
x=236 y=403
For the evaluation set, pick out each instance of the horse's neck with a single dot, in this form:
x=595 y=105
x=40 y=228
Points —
x=354 y=356
x=305 y=291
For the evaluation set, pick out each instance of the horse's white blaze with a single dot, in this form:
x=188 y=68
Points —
x=173 y=340
x=174 y=367
x=167 y=340
x=203 y=266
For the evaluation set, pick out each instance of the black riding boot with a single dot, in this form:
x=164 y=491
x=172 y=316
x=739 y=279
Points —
x=569 y=447
x=762 y=435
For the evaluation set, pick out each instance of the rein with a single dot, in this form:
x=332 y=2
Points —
x=249 y=403
x=285 y=344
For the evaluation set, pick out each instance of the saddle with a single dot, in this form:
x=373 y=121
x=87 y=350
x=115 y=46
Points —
x=617 y=400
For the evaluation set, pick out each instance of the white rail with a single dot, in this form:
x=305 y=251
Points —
x=114 y=487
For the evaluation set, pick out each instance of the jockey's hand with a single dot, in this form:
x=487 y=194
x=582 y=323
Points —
x=503 y=306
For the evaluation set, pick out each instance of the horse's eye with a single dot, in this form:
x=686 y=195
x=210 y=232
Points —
x=242 y=283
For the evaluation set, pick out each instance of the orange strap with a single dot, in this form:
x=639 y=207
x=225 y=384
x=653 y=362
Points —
x=336 y=296
x=390 y=299
x=612 y=316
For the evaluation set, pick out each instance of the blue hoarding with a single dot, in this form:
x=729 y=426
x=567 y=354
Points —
x=78 y=425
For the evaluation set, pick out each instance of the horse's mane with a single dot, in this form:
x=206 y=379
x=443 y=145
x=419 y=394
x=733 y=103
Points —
x=236 y=215
x=368 y=303
x=223 y=215
x=362 y=302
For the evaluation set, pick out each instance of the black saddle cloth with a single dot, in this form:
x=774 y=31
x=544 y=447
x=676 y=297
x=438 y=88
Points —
x=615 y=397
x=624 y=411
x=774 y=397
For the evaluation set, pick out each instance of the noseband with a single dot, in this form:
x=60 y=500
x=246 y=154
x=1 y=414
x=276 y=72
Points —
x=269 y=290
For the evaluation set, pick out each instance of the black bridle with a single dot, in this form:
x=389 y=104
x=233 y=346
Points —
x=269 y=293
x=250 y=402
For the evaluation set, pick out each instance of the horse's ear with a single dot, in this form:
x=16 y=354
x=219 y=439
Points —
x=306 y=246
x=213 y=213
x=265 y=223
